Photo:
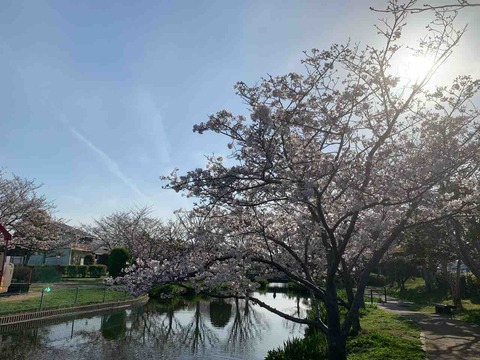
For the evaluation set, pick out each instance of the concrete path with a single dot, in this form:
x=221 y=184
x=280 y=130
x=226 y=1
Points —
x=445 y=338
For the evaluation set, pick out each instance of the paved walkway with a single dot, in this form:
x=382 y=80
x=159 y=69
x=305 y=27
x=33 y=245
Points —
x=445 y=338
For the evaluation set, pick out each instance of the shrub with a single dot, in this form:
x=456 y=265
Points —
x=118 y=260
x=46 y=273
x=72 y=271
x=97 y=271
x=88 y=260
x=22 y=274
x=312 y=347
x=472 y=286
x=82 y=271
x=376 y=280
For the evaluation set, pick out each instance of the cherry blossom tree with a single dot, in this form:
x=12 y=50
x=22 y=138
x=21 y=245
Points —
x=18 y=198
x=39 y=232
x=27 y=215
x=331 y=167
x=136 y=229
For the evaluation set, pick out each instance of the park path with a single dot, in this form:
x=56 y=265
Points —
x=445 y=338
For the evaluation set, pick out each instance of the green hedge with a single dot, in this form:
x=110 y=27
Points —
x=97 y=271
x=54 y=273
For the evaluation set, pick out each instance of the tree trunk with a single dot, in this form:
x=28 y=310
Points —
x=337 y=339
x=456 y=293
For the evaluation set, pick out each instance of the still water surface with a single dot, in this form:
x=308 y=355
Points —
x=177 y=329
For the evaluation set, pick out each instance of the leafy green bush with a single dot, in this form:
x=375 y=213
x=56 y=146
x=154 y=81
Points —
x=82 y=271
x=312 y=347
x=88 y=260
x=376 y=280
x=46 y=273
x=22 y=274
x=97 y=271
x=118 y=260
x=71 y=271
x=472 y=287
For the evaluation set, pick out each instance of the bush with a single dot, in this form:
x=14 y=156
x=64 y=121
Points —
x=97 y=271
x=88 y=260
x=71 y=271
x=82 y=271
x=46 y=273
x=118 y=260
x=312 y=347
x=472 y=287
x=376 y=280
x=22 y=274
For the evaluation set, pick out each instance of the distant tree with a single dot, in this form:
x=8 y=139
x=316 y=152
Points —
x=38 y=232
x=135 y=229
x=19 y=200
x=118 y=260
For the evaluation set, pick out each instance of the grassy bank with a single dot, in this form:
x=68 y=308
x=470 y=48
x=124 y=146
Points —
x=58 y=297
x=424 y=301
x=383 y=336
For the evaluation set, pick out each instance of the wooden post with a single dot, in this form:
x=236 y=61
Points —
x=76 y=296
x=41 y=301
x=385 y=292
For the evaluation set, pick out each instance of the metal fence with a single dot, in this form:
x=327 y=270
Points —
x=59 y=296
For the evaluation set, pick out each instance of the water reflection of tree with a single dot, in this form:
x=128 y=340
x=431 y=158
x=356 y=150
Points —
x=246 y=327
x=298 y=311
x=22 y=344
x=220 y=312
x=197 y=334
x=157 y=323
x=114 y=325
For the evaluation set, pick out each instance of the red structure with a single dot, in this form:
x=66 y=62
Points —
x=7 y=236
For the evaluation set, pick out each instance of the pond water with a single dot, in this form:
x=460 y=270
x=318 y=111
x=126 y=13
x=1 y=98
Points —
x=177 y=329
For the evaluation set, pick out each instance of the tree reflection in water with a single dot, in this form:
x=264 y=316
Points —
x=173 y=329
x=246 y=327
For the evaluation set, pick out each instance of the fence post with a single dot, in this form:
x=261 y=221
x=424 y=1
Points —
x=41 y=301
x=385 y=292
x=104 y=292
x=371 y=296
x=76 y=297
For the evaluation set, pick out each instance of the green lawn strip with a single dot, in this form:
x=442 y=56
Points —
x=59 y=297
x=385 y=336
x=424 y=301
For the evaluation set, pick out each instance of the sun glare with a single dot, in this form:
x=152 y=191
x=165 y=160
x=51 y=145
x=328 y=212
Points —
x=416 y=68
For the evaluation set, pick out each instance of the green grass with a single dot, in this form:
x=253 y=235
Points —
x=416 y=293
x=385 y=336
x=470 y=312
x=58 y=297
x=424 y=301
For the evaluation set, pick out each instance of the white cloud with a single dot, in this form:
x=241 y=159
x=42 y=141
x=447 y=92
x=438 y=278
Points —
x=111 y=165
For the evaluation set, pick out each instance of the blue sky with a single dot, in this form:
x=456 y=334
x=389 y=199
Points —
x=99 y=98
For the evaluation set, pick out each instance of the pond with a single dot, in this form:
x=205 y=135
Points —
x=173 y=329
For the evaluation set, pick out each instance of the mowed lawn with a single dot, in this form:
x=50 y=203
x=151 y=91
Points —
x=58 y=297
x=386 y=336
